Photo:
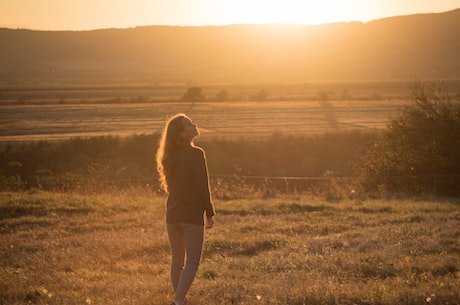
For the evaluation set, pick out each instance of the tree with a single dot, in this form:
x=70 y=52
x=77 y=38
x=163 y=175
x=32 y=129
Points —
x=223 y=95
x=418 y=152
x=262 y=95
x=193 y=94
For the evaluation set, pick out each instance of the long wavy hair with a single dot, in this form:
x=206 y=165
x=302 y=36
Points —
x=171 y=143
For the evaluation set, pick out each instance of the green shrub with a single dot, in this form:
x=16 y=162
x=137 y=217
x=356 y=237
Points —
x=418 y=152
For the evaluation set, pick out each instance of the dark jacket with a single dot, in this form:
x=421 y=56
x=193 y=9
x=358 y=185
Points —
x=189 y=196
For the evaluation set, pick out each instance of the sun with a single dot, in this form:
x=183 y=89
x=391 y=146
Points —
x=286 y=11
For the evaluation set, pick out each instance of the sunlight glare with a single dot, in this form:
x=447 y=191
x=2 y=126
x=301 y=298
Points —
x=289 y=11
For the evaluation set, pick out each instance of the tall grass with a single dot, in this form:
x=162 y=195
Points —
x=62 y=248
x=106 y=163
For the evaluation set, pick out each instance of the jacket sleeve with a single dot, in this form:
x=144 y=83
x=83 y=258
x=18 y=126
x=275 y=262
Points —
x=202 y=183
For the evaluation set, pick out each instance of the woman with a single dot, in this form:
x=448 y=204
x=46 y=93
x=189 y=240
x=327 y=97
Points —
x=184 y=176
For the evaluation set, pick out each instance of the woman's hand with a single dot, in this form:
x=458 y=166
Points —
x=209 y=222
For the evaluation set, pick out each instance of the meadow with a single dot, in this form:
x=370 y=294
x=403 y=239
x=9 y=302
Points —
x=111 y=248
x=311 y=129
x=91 y=241
x=60 y=113
x=235 y=119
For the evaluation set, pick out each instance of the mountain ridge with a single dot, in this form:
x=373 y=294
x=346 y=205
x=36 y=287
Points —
x=391 y=48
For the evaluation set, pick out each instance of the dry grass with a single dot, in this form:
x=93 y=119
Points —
x=30 y=122
x=112 y=249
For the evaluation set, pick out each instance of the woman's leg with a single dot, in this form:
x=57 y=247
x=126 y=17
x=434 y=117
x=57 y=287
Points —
x=177 y=244
x=193 y=238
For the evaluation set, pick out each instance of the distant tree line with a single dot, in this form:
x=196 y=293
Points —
x=195 y=94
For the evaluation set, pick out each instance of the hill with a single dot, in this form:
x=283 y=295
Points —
x=393 y=48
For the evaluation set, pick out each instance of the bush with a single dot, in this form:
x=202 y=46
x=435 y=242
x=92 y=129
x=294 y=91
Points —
x=102 y=163
x=80 y=163
x=418 y=152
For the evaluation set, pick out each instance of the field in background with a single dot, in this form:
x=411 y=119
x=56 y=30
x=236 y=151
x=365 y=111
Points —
x=215 y=119
x=57 y=113
x=112 y=249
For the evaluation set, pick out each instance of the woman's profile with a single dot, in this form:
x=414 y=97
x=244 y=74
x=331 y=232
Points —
x=184 y=177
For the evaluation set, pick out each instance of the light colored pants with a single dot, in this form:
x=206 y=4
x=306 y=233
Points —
x=186 y=242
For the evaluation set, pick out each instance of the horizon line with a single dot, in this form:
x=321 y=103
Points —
x=20 y=27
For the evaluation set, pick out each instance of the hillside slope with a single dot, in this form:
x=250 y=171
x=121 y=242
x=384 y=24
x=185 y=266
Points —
x=426 y=45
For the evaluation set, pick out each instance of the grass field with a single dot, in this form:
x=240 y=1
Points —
x=62 y=110
x=57 y=112
x=63 y=121
x=58 y=248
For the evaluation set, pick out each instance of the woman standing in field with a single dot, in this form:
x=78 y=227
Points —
x=184 y=176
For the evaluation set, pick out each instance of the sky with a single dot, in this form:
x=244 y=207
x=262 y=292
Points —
x=98 y=14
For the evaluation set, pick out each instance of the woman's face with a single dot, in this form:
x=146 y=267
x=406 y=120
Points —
x=190 y=129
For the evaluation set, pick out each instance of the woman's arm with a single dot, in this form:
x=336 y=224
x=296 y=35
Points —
x=202 y=184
